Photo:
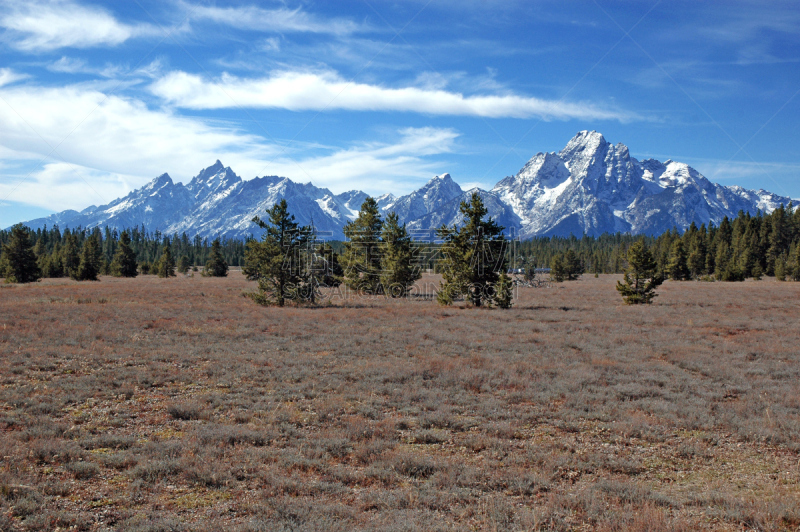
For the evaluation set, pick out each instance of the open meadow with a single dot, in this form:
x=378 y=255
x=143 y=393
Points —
x=155 y=404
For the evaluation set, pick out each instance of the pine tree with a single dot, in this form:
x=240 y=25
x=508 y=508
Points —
x=503 y=291
x=71 y=255
x=641 y=276
x=727 y=268
x=474 y=256
x=362 y=251
x=677 y=267
x=398 y=271
x=166 y=264
x=124 y=261
x=780 y=268
x=54 y=266
x=91 y=260
x=18 y=263
x=216 y=265
x=42 y=257
x=183 y=264
x=275 y=261
x=573 y=268
x=558 y=271
x=794 y=274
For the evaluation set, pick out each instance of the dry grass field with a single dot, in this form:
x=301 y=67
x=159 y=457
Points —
x=161 y=405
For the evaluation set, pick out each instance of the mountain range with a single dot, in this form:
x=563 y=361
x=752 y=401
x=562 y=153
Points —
x=591 y=187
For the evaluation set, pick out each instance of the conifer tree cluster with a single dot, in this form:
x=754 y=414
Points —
x=290 y=264
x=123 y=254
x=750 y=245
x=474 y=261
x=275 y=261
x=165 y=267
x=566 y=267
x=18 y=262
x=216 y=265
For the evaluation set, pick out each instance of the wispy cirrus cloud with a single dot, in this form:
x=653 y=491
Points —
x=304 y=91
x=279 y=20
x=43 y=25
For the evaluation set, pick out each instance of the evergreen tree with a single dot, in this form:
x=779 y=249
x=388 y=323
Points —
x=573 y=268
x=91 y=260
x=727 y=268
x=474 y=256
x=398 y=271
x=503 y=291
x=641 y=276
x=794 y=273
x=183 y=264
x=124 y=262
x=54 y=266
x=780 y=268
x=166 y=264
x=18 y=263
x=677 y=267
x=558 y=271
x=275 y=261
x=145 y=267
x=362 y=251
x=216 y=265
x=71 y=255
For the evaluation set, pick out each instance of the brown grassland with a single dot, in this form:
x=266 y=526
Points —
x=159 y=405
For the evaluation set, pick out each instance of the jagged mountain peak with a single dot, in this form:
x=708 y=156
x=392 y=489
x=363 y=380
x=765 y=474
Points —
x=584 y=144
x=440 y=178
x=159 y=182
x=590 y=186
x=212 y=181
x=214 y=169
x=435 y=193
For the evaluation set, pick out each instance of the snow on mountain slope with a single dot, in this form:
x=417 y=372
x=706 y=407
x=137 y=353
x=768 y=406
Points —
x=590 y=186
x=593 y=187
x=433 y=195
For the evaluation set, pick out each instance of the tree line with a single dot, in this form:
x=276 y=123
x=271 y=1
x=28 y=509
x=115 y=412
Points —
x=750 y=245
x=26 y=256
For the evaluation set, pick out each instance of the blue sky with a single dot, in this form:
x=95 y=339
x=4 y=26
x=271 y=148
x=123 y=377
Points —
x=97 y=98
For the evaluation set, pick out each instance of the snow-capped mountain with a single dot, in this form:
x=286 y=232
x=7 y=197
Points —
x=436 y=193
x=593 y=187
x=589 y=187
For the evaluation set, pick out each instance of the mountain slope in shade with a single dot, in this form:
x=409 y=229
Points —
x=591 y=186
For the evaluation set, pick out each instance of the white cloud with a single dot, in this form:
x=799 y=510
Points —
x=8 y=76
x=122 y=144
x=69 y=65
x=280 y=20
x=36 y=26
x=375 y=168
x=301 y=91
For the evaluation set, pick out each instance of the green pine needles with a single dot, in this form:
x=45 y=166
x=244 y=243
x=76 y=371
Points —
x=124 y=262
x=275 y=261
x=216 y=265
x=473 y=257
x=641 y=277
x=18 y=262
